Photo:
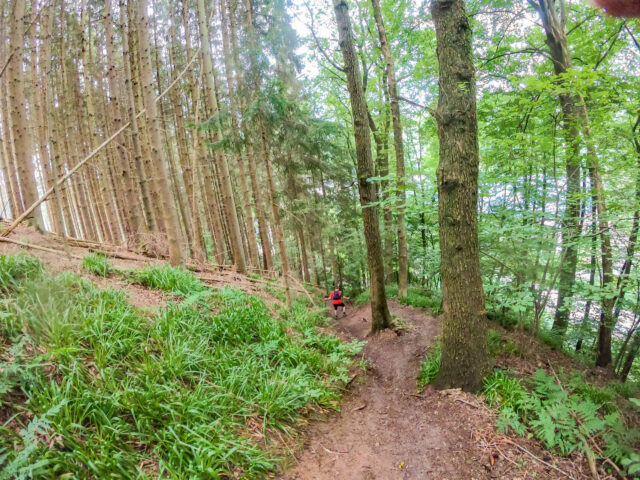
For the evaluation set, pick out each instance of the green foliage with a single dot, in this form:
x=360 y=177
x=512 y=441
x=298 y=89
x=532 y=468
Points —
x=562 y=418
x=552 y=337
x=431 y=366
x=182 y=392
x=164 y=277
x=98 y=265
x=23 y=463
x=18 y=367
x=423 y=299
x=16 y=269
x=499 y=346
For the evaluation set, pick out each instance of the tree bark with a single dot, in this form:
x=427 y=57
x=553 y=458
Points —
x=403 y=260
x=230 y=66
x=225 y=179
x=167 y=207
x=464 y=336
x=380 y=315
x=17 y=104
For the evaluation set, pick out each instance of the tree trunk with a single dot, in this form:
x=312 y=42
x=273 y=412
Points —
x=225 y=179
x=403 y=261
x=167 y=207
x=275 y=211
x=631 y=356
x=17 y=104
x=574 y=104
x=380 y=315
x=464 y=336
x=230 y=66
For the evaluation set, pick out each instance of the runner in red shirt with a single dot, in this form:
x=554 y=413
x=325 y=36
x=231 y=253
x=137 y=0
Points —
x=337 y=300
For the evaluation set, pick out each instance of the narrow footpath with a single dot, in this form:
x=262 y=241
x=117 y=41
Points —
x=387 y=430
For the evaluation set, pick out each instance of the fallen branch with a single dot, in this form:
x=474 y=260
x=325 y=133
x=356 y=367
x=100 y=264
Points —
x=38 y=247
x=332 y=451
x=538 y=459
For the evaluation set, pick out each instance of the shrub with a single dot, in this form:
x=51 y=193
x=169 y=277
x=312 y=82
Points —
x=423 y=299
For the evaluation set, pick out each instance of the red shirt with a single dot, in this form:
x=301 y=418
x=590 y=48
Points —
x=339 y=300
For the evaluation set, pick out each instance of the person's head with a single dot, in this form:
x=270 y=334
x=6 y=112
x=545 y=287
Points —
x=336 y=289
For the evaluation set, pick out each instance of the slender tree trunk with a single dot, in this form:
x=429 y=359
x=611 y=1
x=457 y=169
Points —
x=167 y=207
x=464 y=336
x=403 y=261
x=17 y=104
x=17 y=205
x=554 y=26
x=381 y=317
x=631 y=356
x=225 y=179
x=253 y=85
x=592 y=276
x=275 y=211
x=230 y=66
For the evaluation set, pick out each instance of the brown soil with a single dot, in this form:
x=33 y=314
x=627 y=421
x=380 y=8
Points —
x=387 y=430
x=70 y=257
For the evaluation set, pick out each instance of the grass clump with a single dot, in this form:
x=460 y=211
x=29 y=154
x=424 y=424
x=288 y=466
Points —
x=16 y=269
x=563 y=418
x=176 y=280
x=430 y=367
x=98 y=265
x=422 y=299
x=175 y=395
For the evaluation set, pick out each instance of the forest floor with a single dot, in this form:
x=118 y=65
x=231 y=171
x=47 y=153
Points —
x=386 y=429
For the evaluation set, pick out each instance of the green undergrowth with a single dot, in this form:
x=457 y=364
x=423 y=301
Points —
x=565 y=418
x=415 y=297
x=92 y=387
x=498 y=345
x=176 y=280
x=430 y=366
x=98 y=265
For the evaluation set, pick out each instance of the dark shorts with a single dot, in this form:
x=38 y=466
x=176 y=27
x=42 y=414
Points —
x=336 y=305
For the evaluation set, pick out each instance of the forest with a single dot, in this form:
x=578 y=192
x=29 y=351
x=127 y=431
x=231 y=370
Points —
x=274 y=238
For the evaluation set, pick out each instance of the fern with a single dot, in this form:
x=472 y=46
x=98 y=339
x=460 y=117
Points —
x=509 y=419
x=22 y=466
x=560 y=418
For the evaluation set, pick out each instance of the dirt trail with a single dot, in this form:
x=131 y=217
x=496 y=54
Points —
x=385 y=430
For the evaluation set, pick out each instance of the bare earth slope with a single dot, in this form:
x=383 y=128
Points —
x=386 y=430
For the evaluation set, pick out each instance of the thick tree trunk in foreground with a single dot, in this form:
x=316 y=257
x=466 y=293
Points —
x=464 y=336
x=403 y=260
x=167 y=207
x=380 y=315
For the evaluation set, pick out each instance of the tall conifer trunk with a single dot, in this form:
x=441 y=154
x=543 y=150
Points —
x=17 y=104
x=381 y=318
x=403 y=260
x=167 y=206
x=225 y=179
